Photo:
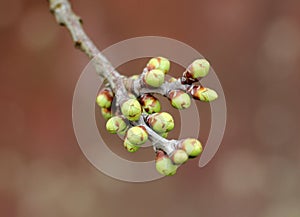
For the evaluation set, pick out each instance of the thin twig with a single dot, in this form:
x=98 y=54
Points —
x=65 y=16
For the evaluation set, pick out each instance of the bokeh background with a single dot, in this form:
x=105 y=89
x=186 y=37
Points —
x=253 y=45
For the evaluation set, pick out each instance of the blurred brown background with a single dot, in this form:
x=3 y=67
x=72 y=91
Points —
x=254 y=46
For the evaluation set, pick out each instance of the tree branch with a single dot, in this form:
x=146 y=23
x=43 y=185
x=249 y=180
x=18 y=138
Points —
x=123 y=88
x=65 y=16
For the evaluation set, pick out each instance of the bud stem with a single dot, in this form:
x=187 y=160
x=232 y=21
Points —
x=158 y=142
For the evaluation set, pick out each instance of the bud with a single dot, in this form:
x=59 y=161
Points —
x=154 y=78
x=116 y=125
x=164 y=135
x=161 y=122
x=192 y=147
x=179 y=99
x=199 y=68
x=106 y=113
x=179 y=157
x=202 y=93
x=105 y=98
x=160 y=63
x=164 y=164
x=137 y=135
x=123 y=133
x=134 y=77
x=131 y=109
x=172 y=79
x=130 y=147
x=131 y=96
x=149 y=103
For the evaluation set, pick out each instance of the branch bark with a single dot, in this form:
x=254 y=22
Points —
x=66 y=17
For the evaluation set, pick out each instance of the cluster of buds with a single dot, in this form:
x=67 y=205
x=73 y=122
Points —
x=138 y=115
x=187 y=148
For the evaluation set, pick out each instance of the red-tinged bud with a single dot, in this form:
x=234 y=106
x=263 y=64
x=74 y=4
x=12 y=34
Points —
x=105 y=98
x=179 y=99
x=154 y=78
x=137 y=135
x=197 y=70
x=106 y=113
x=192 y=147
x=164 y=164
x=161 y=122
x=131 y=109
x=202 y=93
x=160 y=63
x=149 y=103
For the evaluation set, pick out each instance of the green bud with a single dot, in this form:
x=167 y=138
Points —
x=131 y=96
x=179 y=99
x=161 y=122
x=160 y=63
x=154 y=78
x=150 y=104
x=116 y=125
x=105 y=98
x=172 y=79
x=192 y=147
x=202 y=93
x=130 y=147
x=179 y=157
x=137 y=135
x=106 y=113
x=123 y=133
x=134 y=77
x=164 y=164
x=164 y=135
x=131 y=109
x=199 y=68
